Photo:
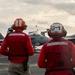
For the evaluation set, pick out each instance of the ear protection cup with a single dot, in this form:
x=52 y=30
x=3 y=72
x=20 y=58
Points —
x=65 y=33
x=25 y=27
x=49 y=33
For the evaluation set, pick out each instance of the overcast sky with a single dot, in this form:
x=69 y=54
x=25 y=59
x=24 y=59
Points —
x=38 y=12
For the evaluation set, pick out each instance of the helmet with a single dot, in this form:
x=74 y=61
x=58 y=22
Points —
x=19 y=24
x=57 y=29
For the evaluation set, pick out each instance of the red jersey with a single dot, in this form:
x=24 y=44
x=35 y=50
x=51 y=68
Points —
x=57 y=55
x=17 y=46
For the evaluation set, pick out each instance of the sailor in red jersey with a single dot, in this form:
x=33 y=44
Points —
x=18 y=47
x=58 y=54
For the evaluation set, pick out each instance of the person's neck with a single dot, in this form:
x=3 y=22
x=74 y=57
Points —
x=57 y=38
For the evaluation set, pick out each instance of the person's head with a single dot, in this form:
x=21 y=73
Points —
x=19 y=24
x=57 y=30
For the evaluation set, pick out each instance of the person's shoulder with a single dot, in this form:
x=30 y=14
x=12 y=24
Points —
x=46 y=44
x=25 y=33
x=63 y=39
x=68 y=41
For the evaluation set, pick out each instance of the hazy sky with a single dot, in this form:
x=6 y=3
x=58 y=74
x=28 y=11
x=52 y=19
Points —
x=38 y=12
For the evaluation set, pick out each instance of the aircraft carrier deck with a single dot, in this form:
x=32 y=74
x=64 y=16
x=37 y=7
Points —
x=35 y=70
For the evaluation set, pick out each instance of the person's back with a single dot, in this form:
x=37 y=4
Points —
x=18 y=43
x=18 y=47
x=57 y=55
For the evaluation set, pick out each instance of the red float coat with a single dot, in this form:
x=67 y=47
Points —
x=17 y=46
x=57 y=55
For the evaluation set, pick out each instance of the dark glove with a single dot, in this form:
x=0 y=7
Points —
x=25 y=65
x=74 y=71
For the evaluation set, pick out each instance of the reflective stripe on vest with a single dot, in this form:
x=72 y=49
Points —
x=16 y=34
x=57 y=43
